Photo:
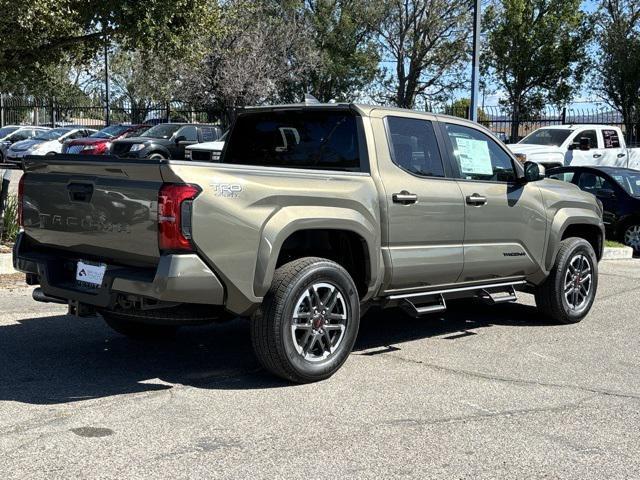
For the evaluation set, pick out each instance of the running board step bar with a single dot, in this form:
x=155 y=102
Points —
x=433 y=305
x=495 y=298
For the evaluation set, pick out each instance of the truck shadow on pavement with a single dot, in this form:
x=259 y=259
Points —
x=61 y=359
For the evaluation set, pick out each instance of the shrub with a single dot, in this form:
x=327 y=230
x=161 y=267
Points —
x=10 y=227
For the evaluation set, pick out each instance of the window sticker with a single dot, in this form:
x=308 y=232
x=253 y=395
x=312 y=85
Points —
x=474 y=156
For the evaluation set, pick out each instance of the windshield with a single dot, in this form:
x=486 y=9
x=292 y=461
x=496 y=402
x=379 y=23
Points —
x=7 y=131
x=630 y=181
x=164 y=130
x=52 y=134
x=110 y=132
x=550 y=137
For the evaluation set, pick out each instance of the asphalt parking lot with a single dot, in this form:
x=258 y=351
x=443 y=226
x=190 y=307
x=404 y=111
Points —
x=481 y=392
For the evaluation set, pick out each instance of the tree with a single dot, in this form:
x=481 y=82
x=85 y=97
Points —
x=426 y=41
x=617 y=70
x=536 y=52
x=343 y=32
x=37 y=34
x=261 y=51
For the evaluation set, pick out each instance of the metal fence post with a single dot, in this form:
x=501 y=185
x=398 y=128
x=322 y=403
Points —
x=564 y=115
x=1 y=109
x=168 y=112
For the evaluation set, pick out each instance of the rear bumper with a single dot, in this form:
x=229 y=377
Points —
x=177 y=279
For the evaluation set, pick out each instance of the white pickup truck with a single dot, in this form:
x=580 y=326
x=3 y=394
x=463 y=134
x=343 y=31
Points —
x=565 y=145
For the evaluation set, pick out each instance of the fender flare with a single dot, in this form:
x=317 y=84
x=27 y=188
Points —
x=289 y=220
x=565 y=218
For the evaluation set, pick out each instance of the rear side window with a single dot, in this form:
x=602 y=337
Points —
x=478 y=156
x=611 y=139
x=209 y=134
x=414 y=147
x=325 y=140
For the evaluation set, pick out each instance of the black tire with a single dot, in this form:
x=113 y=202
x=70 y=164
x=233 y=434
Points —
x=136 y=329
x=631 y=236
x=280 y=350
x=551 y=298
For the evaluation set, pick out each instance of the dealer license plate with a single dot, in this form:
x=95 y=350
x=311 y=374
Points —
x=90 y=274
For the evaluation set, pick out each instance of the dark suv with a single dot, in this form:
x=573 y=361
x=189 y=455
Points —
x=166 y=141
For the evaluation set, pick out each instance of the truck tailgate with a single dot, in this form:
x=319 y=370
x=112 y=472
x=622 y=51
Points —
x=103 y=208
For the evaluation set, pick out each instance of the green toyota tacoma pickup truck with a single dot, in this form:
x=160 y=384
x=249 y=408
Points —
x=313 y=214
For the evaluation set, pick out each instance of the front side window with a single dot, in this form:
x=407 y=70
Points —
x=591 y=183
x=590 y=134
x=414 y=147
x=478 y=156
x=319 y=139
x=189 y=133
x=564 y=176
x=163 y=130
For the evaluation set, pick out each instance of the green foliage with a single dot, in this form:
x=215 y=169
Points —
x=426 y=42
x=10 y=226
x=536 y=50
x=344 y=35
x=617 y=70
x=38 y=35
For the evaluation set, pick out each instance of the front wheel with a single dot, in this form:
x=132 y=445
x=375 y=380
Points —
x=567 y=295
x=308 y=322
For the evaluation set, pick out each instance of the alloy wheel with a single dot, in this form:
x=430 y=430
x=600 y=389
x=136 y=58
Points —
x=632 y=237
x=578 y=281
x=319 y=321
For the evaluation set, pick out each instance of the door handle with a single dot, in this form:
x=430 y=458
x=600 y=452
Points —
x=476 y=200
x=597 y=155
x=405 y=198
x=620 y=155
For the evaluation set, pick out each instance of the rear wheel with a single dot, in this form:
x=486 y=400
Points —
x=631 y=237
x=567 y=295
x=157 y=156
x=308 y=322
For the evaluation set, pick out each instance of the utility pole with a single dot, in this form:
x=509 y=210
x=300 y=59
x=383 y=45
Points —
x=475 y=73
x=106 y=80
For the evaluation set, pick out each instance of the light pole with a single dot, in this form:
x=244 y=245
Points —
x=106 y=80
x=475 y=73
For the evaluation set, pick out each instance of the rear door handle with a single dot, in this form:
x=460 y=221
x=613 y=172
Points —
x=597 y=155
x=620 y=155
x=405 y=198
x=477 y=200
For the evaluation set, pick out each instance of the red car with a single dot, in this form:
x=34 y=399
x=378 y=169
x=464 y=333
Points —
x=99 y=142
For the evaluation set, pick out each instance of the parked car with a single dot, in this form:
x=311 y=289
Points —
x=165 y=141
x=48 y=142
x=619 y=191
x=316 y=213
x=16 y=133
x=574 y=145
x=205 y=152
x=99 y=143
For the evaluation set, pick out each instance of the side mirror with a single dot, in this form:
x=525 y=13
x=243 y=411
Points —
x=585 y=144
x=605 y=193
x=533 y=172
x=180 y=138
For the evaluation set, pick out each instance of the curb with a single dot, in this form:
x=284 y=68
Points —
x=6 y=264
x=623 y=253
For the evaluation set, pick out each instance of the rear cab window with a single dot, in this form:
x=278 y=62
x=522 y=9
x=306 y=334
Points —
x=305 y=139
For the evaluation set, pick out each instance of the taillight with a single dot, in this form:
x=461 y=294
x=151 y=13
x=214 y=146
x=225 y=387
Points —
x=21 y=201
x=174 y=216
